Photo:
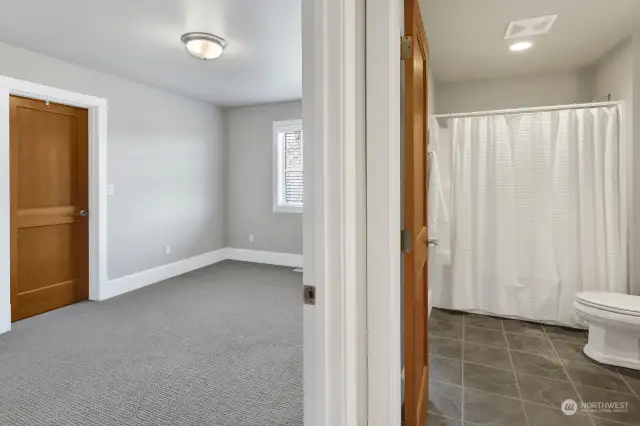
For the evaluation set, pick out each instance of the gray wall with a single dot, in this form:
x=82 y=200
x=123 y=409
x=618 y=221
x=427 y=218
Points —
x=249 y=171
x=614 y=74
x=165 y=158
x=511 y=92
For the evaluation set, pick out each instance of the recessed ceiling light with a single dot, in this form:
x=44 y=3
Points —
x=204 y=45
x=520 y=46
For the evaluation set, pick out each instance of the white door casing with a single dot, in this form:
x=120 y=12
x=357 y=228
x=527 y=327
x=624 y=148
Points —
x=97 y=183
x=334 y=212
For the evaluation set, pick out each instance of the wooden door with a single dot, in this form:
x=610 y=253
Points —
x=415 y=311
x=49 y=199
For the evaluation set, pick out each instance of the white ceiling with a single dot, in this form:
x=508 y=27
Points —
x=140 y=40
x=466 y=36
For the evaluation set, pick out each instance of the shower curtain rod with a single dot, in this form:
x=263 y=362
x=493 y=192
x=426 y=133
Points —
x=533 y=109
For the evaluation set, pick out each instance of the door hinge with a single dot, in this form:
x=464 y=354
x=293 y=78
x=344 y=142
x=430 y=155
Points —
x=309 y=295
x=406 y=47
x=405 y=241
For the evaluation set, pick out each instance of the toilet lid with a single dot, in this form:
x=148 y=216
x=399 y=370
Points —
x=614 y=302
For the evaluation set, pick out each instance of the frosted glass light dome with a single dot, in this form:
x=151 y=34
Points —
x=204 y=45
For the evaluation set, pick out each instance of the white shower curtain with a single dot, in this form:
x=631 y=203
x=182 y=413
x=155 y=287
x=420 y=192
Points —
x=538 y=211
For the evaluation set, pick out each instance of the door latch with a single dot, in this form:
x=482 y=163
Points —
x=309 y=295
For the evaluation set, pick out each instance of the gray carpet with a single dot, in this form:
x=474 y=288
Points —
x=218 y=346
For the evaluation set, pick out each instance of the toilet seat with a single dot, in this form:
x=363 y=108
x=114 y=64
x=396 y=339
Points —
x=612 y=302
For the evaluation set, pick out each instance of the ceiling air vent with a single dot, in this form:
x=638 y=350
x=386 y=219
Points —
x=530 y=27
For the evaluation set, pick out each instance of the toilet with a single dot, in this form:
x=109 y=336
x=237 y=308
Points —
x=614 y=327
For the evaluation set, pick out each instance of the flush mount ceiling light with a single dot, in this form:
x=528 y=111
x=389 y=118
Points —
x=204 y=45
x=520 y=46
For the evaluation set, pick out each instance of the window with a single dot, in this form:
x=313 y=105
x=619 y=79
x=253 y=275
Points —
x=288 y=176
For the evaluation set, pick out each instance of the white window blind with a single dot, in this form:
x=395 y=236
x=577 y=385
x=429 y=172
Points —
x=288 y=191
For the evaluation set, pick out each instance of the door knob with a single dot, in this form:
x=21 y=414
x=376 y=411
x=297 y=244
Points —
x=83 y=213
x=432 y=243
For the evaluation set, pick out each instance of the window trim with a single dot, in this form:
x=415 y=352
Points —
x=279 y=128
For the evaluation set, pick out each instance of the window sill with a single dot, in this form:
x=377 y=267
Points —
x=287 y=209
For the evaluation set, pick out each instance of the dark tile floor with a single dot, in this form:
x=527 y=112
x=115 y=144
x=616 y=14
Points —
x=497 y=372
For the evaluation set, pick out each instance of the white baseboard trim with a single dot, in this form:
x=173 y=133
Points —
x=122 y=285
x=5 y=323
x=141 y=279
x=268 y=257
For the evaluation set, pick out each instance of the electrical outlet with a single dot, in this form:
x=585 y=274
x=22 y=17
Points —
x=250 y=238
x=111 y=189
x=167 y=250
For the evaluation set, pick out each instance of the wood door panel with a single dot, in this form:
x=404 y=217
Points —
x=47 y=256
x=49 y=148
x=49 y=187
x=46 y=299
x=27 y=218
x=415 y=304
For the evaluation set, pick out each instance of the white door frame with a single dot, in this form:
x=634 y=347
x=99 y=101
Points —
x=97 y=184
x=334 y=212
x=384 y=29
